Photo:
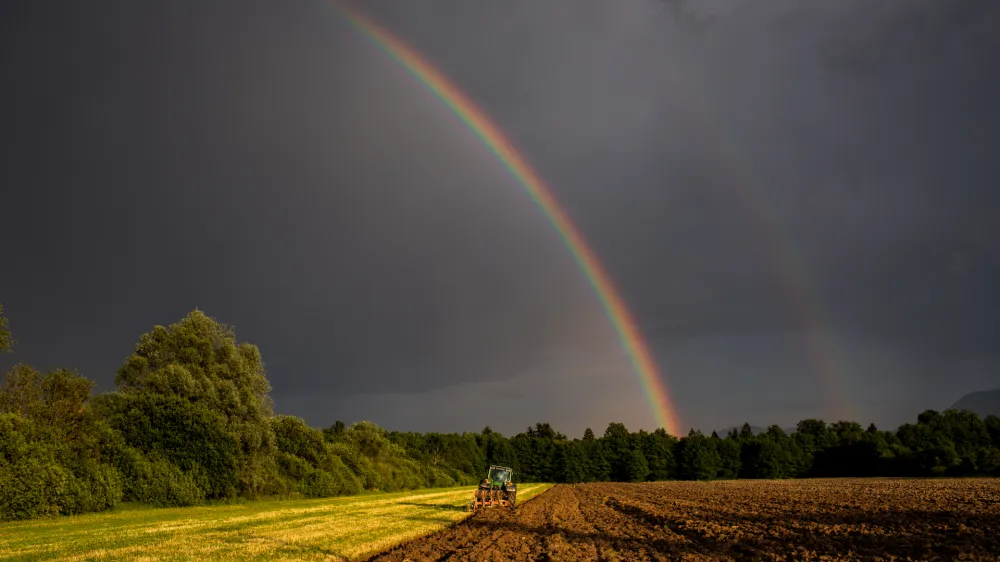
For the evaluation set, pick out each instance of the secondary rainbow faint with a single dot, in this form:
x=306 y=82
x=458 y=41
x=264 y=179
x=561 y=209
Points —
x=650 y=379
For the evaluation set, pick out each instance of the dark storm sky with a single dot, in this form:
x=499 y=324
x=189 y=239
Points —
x=260 y=161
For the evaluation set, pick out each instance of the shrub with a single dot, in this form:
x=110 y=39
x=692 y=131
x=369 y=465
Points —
x=155 y=481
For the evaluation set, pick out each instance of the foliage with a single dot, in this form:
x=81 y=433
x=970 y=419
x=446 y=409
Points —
x=50 y=447
x=6 y=341
x=190 y=422
x=308 y=464
x=166 y=436
x=198 y=360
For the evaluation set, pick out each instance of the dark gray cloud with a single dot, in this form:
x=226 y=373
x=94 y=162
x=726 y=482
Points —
x=287 y=180
x=751 y=173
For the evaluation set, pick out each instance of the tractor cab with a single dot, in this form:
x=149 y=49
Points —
x=499 y=476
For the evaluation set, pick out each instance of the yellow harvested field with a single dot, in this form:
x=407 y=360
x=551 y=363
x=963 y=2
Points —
x=345 y=528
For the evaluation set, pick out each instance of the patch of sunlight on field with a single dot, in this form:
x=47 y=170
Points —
x=336 y=528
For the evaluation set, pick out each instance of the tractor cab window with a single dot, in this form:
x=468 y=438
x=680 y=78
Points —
x=499 y=476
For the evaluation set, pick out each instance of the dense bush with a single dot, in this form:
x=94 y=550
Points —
x=308 y=464
x=184 y=434
x=50 y=447
x=42 y=476
x=157 y=481
x=33 y=482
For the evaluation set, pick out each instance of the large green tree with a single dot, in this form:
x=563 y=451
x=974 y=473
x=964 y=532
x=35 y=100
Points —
x=198 y=360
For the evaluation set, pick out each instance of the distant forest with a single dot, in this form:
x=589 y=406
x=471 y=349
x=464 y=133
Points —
x=190 y=421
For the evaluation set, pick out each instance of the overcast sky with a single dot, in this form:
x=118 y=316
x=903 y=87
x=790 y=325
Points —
x=798 y=202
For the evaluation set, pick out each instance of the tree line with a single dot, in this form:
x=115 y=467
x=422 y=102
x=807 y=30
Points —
x=190 y=421
x=949 y=443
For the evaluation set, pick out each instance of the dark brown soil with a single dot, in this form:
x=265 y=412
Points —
x=836 y=519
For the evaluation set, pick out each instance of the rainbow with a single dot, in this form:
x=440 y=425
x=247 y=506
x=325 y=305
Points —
x=821 y=348
x=791 y=273
x=490 y=134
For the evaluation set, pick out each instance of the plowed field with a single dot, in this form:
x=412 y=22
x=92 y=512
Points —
x=836 y=519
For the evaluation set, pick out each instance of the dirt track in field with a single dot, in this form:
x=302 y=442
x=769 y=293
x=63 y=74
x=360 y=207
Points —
x=837 y=519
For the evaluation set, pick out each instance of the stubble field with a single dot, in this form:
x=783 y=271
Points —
x=834 y=519
x=345 y=528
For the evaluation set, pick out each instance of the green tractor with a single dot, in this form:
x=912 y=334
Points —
x=497 y=489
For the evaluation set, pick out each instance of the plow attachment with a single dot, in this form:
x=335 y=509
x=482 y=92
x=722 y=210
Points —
x=492 y=498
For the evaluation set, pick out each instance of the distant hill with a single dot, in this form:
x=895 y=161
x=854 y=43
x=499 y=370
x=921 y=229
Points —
x=984 y=402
